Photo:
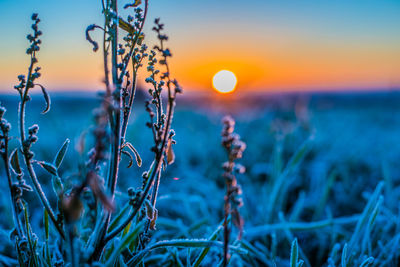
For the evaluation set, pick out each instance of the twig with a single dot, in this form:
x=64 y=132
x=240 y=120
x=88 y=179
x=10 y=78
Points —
x=15 y=212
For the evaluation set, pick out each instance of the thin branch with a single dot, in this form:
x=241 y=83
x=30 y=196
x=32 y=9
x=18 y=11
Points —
x=26 y=151
x=6 y=160
x=133 y=89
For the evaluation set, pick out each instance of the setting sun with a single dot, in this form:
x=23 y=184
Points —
x=224 y=81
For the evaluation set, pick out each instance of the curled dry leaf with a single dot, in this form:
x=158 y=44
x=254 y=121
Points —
x=46 y=98
x=170 y=153
x=130 y=158
x=135 y=152
x=93 y=182
x=72 y=207
x=90 y=40
x=15 y=166
x=154 y=219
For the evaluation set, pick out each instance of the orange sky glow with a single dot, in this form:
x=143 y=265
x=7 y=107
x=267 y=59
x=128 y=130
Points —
x=343 y=46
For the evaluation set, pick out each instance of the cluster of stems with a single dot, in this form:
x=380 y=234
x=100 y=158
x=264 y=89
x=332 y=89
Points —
x=120 y=93
x=121 y=65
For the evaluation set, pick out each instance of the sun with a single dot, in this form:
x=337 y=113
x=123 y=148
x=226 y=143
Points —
x=224 y=81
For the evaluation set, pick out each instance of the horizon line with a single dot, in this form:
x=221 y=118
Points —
x=93 y=92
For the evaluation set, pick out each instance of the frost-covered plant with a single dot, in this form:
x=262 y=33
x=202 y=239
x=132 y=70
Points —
x=118 y=101
x=86 y=237
x=233 y=201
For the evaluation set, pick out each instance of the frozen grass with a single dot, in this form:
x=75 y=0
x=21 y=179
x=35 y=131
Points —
x=328 y=198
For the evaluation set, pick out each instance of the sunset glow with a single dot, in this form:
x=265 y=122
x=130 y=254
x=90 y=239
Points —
x=224 y=81
x=283 y=46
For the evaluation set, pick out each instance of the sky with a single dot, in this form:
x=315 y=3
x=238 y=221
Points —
x=269 y=45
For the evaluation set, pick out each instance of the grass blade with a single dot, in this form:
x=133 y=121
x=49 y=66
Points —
x=183 y=243
x=204 y=252
x=118 y=218
x=294 y=254
x=367 y=262
x=123 y=244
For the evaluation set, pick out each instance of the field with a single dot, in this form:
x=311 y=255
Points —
x=322 y=168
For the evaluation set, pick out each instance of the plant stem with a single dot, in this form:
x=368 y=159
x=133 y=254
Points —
x=105 y=59
x=158 y=159
x=122 y=226
x=16 y=219
x=115 y=121
x=134 y=76
x=129 y=108
x=115 y=145
x=27 y=160
x=227 y=208
x=153 y=201
x=71 y=245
